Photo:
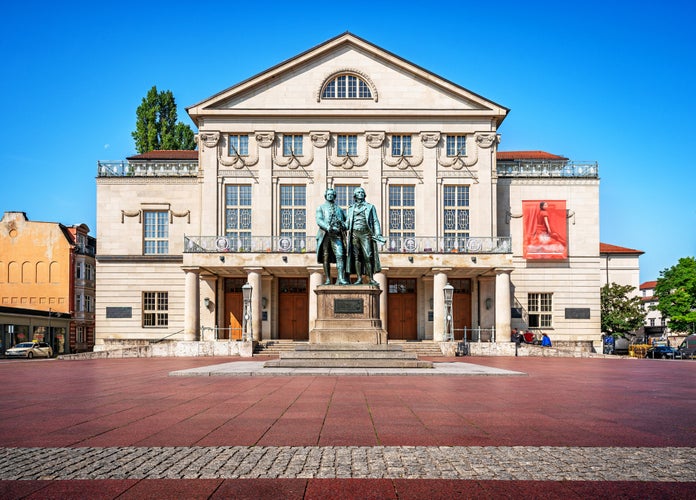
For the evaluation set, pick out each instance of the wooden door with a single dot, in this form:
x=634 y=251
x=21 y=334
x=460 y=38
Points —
x=234 y=309
x=402 y=310
x=461 y=308
x=293 y=309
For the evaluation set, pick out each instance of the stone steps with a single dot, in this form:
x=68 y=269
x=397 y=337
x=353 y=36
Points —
x=355 y=355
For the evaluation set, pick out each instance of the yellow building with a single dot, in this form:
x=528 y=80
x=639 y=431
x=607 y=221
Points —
x=47 y=278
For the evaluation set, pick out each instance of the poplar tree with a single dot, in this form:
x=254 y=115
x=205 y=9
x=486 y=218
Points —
x=156 y=125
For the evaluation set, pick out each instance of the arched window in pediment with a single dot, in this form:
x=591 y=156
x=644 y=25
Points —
x=346 y=86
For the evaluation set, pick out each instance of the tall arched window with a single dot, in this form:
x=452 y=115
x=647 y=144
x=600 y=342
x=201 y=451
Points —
x=346 y=86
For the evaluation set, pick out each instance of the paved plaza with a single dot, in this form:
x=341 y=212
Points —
x=227 y=428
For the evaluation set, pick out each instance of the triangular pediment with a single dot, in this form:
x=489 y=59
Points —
x=296 y=85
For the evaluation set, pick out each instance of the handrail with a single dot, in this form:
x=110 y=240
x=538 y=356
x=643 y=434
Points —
x=166 y=336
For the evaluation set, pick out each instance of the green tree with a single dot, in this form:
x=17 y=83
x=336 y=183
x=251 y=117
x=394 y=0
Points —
x=621 y=311
x=676 y=295
x=156 y=125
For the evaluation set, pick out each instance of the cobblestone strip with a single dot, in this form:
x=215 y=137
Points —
x=392 y=462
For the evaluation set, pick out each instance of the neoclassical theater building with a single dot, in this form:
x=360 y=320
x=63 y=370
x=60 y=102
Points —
x=516 y=234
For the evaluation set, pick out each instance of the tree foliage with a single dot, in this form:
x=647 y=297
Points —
x=156 y=125
x=676 y=295
x=621 y=311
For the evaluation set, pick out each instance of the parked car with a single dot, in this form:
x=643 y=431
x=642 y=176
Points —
x=30 y=350
x=662 y=352
x=687 y=348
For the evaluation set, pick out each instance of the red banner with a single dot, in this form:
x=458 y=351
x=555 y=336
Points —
x=545 y=229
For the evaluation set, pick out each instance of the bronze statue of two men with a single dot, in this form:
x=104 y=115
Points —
x=350 y=241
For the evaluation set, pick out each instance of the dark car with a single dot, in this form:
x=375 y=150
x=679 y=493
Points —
x=662 y=352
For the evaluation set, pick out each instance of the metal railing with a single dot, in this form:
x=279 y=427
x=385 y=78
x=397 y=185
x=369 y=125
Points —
x=522 y=168
x=416 y=244
x=475 y=334
x=147 y=169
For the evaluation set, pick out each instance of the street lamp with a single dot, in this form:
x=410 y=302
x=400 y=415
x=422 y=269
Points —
x=247 y=333
x=449 y=327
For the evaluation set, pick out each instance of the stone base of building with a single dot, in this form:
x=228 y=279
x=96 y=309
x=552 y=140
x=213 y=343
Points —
x=347 y=314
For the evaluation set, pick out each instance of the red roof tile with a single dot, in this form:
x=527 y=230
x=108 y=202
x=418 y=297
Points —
x=528 y=155
x=607 y=248
x=167 y=154
x=648 y=285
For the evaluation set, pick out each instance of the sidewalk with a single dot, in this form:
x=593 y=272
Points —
x=556 y=428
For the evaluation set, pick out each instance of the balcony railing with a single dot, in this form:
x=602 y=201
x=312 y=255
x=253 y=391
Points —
x=522 y=168
x=147 y=169
x=261 y=244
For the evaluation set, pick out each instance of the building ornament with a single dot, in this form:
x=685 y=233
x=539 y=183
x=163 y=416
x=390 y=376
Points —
x=237 y=160
x=186 y=214
x=487 y=139
x=265 y=138
x=320 y=139
x=132 y=213
x=375 y=139
x=334 y=74
x=430 y=139
x=402 y=162
x=209 y=139
x=459 y=161
x=347 y=162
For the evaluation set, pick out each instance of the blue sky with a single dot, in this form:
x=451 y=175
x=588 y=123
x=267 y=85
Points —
x=611 y=82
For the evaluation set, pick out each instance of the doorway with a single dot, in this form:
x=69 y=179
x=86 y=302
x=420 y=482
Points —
x=234 y=309
x=402 y=310
x=293 y=309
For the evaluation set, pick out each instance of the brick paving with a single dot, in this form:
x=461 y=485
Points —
x=566 y=428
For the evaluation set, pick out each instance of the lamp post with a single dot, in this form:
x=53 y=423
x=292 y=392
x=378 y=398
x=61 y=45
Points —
x=449 y=327
x=247 y=334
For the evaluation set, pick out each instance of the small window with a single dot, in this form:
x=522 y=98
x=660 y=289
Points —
x=539 y=307
x=456 y=145
x=79 y=271
x=292 y=145
x=238 y=145
x=80 y=336
x=401 y=145
x=346 y=87
x=155 y=309
x=344 y=194
x=347 y=145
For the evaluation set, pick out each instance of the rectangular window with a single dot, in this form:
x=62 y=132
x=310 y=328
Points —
x=156 y=233
x=80 y=335
x=347 y=145
x=341 y=86
x=155 y=309
x=292 y=145
x=402 y=218
x=89 y=272
x=344 y=194
x=455 y=218
x=293 y=218
x=456 y=145
x=78 y=303
x=238 y=217
x=539 y=307
x=238 y=145
x=79 y=271
x=89 y=307
x=401 y=145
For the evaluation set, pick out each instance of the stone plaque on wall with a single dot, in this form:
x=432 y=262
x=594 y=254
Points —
x=119 y=312
x=577 y=313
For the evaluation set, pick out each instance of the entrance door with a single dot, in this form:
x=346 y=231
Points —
x=402 y=309
x=234 y=308
x=461 y=308
x=293 y=309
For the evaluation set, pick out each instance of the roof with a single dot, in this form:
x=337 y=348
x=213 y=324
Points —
x=648 y=285
x=528 y=155
x=167 y=154
x=607 y=248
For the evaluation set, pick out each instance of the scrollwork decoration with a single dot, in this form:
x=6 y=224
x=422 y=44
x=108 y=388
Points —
x=402 y=162
x=348 y=162
x=132 y=213
x=292 y=161
x=237 y=160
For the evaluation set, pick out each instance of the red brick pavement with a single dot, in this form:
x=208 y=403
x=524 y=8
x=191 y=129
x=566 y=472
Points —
x=561 y=402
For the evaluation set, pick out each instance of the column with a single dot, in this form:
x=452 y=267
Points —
x=381 y=278
x=190 y=304
x=439 y=282
x=502 y=305
x=316 y=278
x=254 y=279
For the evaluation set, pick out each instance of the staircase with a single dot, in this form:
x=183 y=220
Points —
x=277 y=346
x=353 y=355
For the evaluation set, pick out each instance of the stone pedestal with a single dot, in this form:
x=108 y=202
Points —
x=346 y=314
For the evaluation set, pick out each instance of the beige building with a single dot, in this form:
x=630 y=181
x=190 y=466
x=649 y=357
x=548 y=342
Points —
x=515 y=233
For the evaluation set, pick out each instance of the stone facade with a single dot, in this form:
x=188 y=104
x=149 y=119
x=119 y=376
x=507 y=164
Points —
x=343 y=114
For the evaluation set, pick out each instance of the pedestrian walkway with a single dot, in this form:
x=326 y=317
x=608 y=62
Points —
x=529 y=427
